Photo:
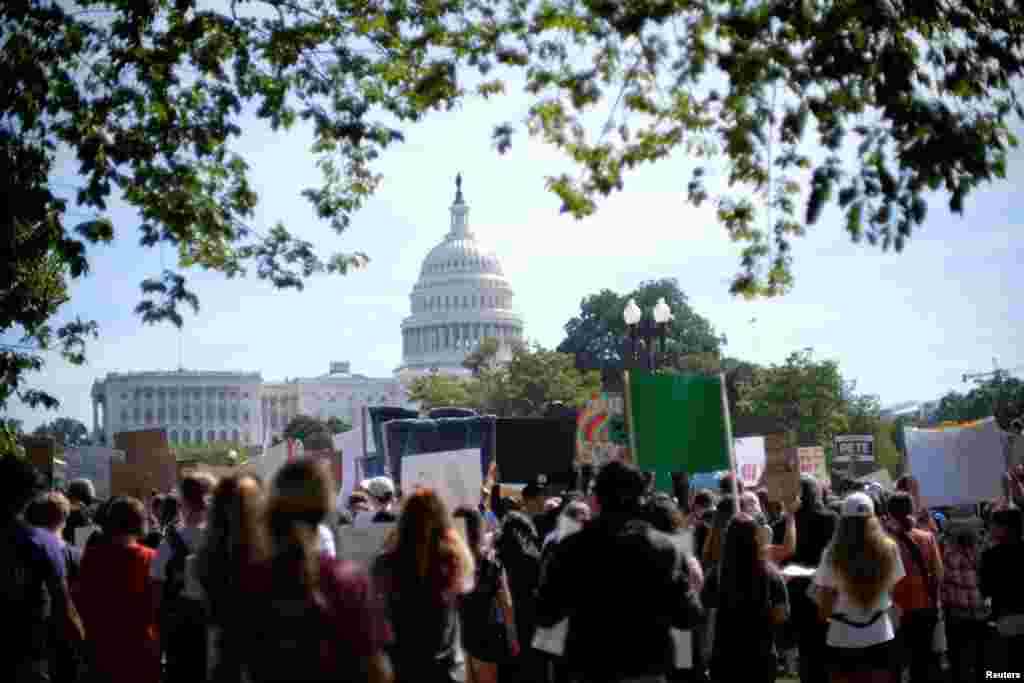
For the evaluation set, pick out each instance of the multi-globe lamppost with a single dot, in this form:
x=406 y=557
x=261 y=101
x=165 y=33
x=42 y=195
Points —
x=642 y=331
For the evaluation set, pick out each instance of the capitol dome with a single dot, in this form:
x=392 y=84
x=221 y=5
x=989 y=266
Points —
x=461 y=298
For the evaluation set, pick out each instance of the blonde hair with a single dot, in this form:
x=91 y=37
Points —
x=863 y=558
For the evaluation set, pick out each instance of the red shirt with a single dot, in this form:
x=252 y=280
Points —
x=116 y=604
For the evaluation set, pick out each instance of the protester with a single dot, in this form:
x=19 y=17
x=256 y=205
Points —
x=118 y=604
x=48 y=514
x=486 y=638
x=663 y=514
x=182 y=618
x=358 y=502
x=815 y=527
x=778 y=553
x=750 y=504
x=702 y=514
x=420 y=581
x=518 y=548
x=963 y=604
x=535 y=504
x=751 y=600
x=81 y=496
x=571 y=519
x=649 y=592
x=35 y=601
x=712 y=550
x=224 y=558
x=917 y=595
x=854 y=583
x=909 y=485
x=381 y=495
x=1000 y=581
x=308 y=618
x=155 y=535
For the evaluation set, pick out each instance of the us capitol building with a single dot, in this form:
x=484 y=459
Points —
x=461 y=298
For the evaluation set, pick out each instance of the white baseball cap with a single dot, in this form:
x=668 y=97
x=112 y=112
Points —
x=858 y=505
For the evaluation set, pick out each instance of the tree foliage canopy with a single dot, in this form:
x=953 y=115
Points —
x=810 y=398
x=438 y=390
x=600 y=330
x=68 y=432
x=904 y=99
x=525 y=386
x=313 y=433
x=1001 y=395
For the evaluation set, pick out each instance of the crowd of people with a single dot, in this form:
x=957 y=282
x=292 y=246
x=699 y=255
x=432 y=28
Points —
x=239 y=581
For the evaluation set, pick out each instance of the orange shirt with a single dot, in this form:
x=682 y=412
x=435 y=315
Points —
x=912 y=591
x=116 y=604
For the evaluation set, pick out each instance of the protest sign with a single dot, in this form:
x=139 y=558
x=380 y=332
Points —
x=363 y=544
x=812 y=462
x=454 y=475
x=782 y=469
x=958 y=465
x=750 y=459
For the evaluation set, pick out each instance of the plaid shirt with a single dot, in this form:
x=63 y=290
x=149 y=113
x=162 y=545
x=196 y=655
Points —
x=960 y=583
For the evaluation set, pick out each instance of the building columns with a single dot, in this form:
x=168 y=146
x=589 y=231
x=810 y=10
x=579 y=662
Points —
x=95 y=415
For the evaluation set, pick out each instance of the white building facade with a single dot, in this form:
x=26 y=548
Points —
x=339 y=393
x=461 y=298
x=196 y=407
x=193 y=406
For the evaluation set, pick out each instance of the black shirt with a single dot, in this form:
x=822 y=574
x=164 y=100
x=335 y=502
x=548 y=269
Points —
x=623 y=585
x=1000 y=578
x=815 y=527
x=425 y=626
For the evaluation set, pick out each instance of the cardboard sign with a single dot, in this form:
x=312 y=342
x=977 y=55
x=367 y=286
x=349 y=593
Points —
x=812 y=462
x=454 y=475
x=364 y=544
x=782 y=469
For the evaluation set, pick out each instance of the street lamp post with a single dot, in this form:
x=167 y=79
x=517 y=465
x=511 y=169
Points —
x=642 y=333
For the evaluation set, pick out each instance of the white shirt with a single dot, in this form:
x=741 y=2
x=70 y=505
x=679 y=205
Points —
x=326 y=541
x=191 y=535
x=844 y=635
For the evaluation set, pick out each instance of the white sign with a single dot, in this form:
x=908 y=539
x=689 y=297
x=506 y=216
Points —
x=958 y=465
x=350 y=445
x=750 y=459
x=456 y=476
x=362 y=544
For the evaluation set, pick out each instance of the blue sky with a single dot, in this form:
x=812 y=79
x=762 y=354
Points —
x=904 y=326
